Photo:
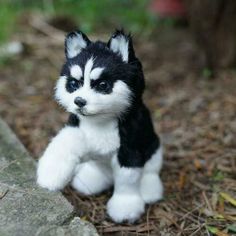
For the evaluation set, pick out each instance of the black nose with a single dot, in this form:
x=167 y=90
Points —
x=80 y=102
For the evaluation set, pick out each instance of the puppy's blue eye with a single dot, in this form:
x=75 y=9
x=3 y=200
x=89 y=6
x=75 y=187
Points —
x=73 y=84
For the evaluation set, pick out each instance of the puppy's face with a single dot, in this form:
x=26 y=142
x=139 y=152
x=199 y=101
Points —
x=99 y=79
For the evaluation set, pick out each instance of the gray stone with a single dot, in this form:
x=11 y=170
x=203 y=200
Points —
x=76 y=227
x=25 y=209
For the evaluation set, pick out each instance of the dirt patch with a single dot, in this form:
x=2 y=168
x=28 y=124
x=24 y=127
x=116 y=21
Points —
x=195 y=116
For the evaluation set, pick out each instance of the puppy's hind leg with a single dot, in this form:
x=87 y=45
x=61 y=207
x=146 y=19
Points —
x=92 y=177
x=151 y=187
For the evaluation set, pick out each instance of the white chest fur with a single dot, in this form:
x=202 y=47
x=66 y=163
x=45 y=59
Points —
x=101 y=137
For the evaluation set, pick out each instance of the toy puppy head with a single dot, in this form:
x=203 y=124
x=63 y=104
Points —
x=99 y=79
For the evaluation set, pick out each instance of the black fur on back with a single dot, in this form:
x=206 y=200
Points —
x=138 y=140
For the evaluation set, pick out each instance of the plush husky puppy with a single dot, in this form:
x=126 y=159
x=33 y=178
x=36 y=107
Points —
x=109 y=139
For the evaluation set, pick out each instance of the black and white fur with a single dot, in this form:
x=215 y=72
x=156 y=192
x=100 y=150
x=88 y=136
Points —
x=109 y=139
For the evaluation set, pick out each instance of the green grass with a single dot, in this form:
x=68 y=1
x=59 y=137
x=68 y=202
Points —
x=8 y=16
x=90 y=15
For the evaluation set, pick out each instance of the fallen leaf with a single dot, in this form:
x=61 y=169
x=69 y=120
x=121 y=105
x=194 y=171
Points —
x=232 y=228
x=197 y=164
x=216 y=231
x=182 y=180
x=228 y=198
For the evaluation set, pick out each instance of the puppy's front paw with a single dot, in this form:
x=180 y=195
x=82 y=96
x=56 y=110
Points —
x=122 y=207
x=53 y=175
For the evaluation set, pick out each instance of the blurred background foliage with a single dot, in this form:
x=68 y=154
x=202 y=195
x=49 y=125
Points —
x=211 y=23
x=89 y=16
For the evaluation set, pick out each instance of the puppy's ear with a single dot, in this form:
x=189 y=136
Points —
x=75 y=42
x=121 y=44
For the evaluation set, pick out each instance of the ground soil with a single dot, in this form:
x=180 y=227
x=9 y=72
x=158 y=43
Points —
x=194 y=115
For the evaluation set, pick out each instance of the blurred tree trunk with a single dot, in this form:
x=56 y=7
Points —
x=213 y=23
